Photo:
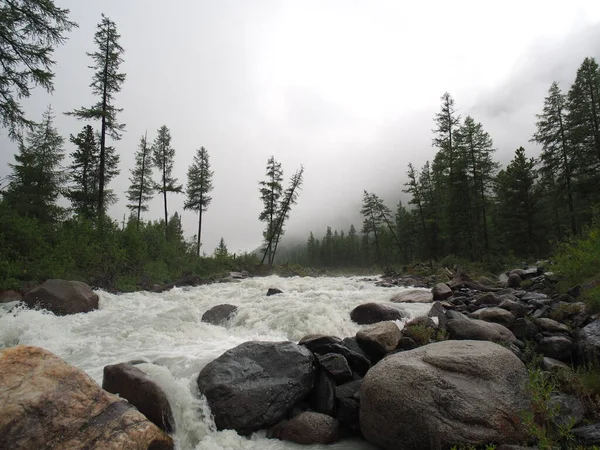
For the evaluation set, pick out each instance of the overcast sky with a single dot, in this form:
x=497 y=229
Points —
x=347 y=88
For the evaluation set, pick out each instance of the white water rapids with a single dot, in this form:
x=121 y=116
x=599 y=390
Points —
x=165 y=330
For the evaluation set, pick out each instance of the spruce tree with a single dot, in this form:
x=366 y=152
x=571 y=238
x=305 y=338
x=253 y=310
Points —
x=270 y=193
x=83 y=173
x=221 y=250
x=199 y=184
x=163 y=157
x=29 y=32
x=37 y=178
x=106 y=82
x=372 y=221
x=141 y=189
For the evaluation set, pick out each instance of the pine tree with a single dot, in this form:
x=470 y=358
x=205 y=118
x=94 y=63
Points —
x=83 y=173
x=221 y=250
x=141 y=189
x=372 y=221
x=163 y=157
x=29 y=32
x=37 y=177
x=106 y=82
x=353 y=249
x=198 y=186
x=270 y=193
x=557 y=152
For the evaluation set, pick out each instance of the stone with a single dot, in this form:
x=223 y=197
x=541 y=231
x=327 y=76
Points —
x=369 y=313
x=443 y=394
x=220 y=314
x=348 y=414
x=485 y=281
x=487 y=299
x=479 y=330
x=274 y=291
x=352 y=344
x=553 y=326
x=379 y=339
x=588 y=435
x=513 y=281
x=536 y=299
x=441 y=291
x=495 y=315
x=438 y=311
x=10 y=296
x=423 y=321
x=254 y=385
x=310 y=341
x=553 y=365
x=455 y=315
x=62 y=297
x=336 y=366
x=348 y=390
x=358 y=363
x=557 y=347
x=413 y=296
x=132 y=384
x=588 y=344
x=48 y=404
x=515 y=307
x=322 y=397
x=309 y=428
x=541 y=312
x=570 y=410
x=407 y=343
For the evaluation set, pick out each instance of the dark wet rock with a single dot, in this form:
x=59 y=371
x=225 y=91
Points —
x=524 y=329
x=433 y=396
x=48 y=404
x=407 y=343
x=131 y=383
x=309 y=428
x=358 y=363
x=513 y=281
x=441 y=291
x=515 y=307
x=255 y=384
x=553 y=365
x=369 y=313
x=479 y=330
x=587 y=435
x=570 y=410
x=10 y=296
x=557 y=347
x=220 y=314
x=438 y=311
x=311 y=341
x=336 y=366
x=379 y=339
x=348 y=414
x=322 y=397
x=488 y=299
x=352 y=344
x=589 y=343
x=455 y=315
x=62 y=297
x=348 y=390
x=274 y=291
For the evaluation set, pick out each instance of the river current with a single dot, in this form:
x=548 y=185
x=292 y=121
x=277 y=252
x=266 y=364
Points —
x=165 y=330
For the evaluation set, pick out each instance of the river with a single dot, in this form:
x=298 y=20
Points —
x=165 y=330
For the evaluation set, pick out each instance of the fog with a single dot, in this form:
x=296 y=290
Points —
x=346 y=88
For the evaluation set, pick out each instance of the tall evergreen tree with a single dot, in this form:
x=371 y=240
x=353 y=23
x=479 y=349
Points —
x=37 y=177
x=163 y=157
x=270 y=193
x=29 y=32
x=83 y=173
x=221 y=250
x=106 y=82
x=141 y=189
x=372 y=221
x=557 y=152
x=198 y=186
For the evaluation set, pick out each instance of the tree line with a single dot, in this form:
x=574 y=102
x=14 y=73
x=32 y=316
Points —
x=464 y=206
x=30 y=194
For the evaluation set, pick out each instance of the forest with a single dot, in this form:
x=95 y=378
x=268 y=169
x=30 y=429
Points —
x=463 y=208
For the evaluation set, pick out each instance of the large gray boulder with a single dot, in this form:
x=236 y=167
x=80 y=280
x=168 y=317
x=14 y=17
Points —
x=369 y=313
x=220 y=314
x=413 y=296
x=309 y=428
x=479 y=330
x=589 y=343
x=442 y=394
x=379 y=339
x=62 y=297
x=255 y=384
x=441 y=291
x=557 y=347
x=494 y=314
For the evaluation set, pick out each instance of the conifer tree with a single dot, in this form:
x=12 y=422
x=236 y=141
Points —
x=106 y=82
x=372 y=221
x=83 y=173
x=29 y=32
x=221 y=250
x=199 y=184
x=37 y=177
x=270 y=193
x=163 y=157
x=141 y=189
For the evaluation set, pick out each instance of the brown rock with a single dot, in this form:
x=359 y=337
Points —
x=369 y=313
x=62 y=297
x=309 y=428
x=134 y=385
x=479 y=330
x=553 y=326
x=495 y=315
x=441 y=291
x=413 y=296
x=379 y=338
x=10 y=296
x=514 y=281
x=46 y=403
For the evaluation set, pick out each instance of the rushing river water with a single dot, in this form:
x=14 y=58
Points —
x=165 y=330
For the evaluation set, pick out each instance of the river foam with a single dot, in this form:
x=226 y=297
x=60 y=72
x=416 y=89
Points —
x=165 y=331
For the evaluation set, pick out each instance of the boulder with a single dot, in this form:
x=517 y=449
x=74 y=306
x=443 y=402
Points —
x=423 y=321
x=456 y=315
x=570 y=410
x=46 y=403
x=62 y=297
x=336 y=366
x=553 y=326
x=220 y=314
x=379 y=339
x=441 y=291
x=322 y=397
x=437 y=310
x=479 y=330
x=553 y=365
x=513 y=281
x=515 y=307
x=358 y=363
x=588 y=345
x=413 y=296
x=487 y=299
x=588 y=435
x=485 y=281
x=348 y=414
x=369 y=313
x=274 y=291
x=495 y=315
x=132 y=384
x=255 y=384
x=10 y=296
x=309 y=428
x=442 y=394
x=536 y=299
x=348 y=390
x=557 y=347
x=352 y=344
x=310 y=341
